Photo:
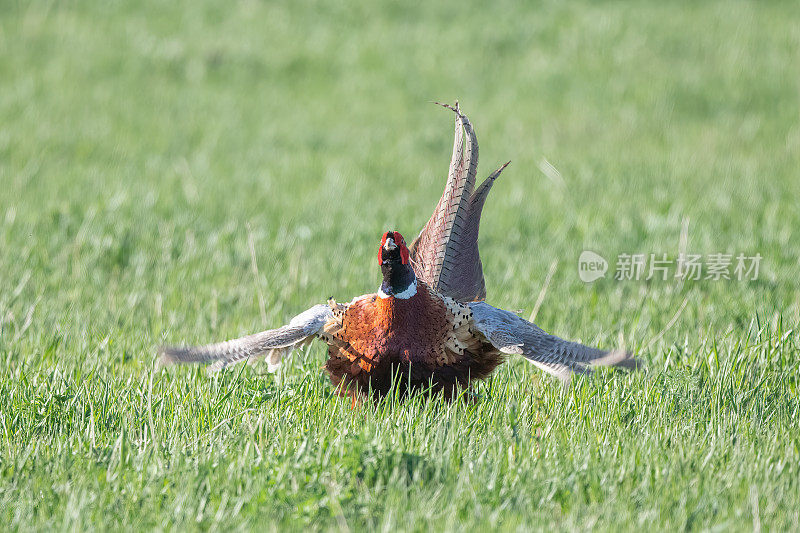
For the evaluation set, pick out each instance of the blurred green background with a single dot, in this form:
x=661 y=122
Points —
x=140 y=141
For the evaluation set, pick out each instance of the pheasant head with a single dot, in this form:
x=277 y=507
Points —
x=399 y=280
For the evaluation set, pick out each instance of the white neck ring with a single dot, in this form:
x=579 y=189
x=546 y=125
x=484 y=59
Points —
x=410 y=291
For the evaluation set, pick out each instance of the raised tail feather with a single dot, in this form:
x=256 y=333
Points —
x=445 y=254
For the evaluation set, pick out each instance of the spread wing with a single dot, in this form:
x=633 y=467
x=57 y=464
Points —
x=445 y=254
x=273 y=342
x=513 y=335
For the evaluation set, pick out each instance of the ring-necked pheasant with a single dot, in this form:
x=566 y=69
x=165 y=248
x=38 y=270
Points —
x=427 y=326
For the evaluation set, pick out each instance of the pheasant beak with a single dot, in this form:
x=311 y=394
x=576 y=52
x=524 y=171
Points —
x=393 y=243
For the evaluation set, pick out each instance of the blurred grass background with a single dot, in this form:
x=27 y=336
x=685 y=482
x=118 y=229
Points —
x=138 y=141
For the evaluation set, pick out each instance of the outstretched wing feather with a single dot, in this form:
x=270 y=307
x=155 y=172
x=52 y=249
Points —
x=222 y=354
x=513 y=335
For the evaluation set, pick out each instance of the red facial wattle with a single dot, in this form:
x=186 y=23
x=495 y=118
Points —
x=399 y=241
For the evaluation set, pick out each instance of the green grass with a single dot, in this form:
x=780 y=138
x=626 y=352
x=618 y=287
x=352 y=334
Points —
x=138 y=141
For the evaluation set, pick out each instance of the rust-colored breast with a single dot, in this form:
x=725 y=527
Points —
x=424 y=340
x=385 y=330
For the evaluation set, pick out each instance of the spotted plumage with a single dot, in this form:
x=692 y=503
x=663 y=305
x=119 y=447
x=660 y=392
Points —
x=418 y=343
x=426 y=328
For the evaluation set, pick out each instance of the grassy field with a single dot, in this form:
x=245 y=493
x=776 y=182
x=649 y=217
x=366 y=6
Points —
x=143 y=145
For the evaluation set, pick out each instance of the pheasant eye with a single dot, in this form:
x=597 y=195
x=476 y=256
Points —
x=401 y=243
